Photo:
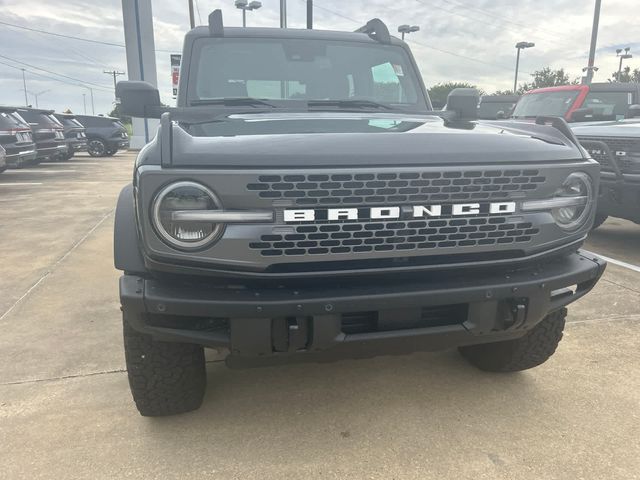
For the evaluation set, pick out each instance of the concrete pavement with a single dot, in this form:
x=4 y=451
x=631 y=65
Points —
x=66 y=410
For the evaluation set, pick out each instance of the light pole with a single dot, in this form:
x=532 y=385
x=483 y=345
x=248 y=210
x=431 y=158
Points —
x=590 y=68
x=192 y=18
x=93 y=105
x=244 y=5
x=283 y=13
x=84 y=102
x=623 y=56
x=404 y=29
x=36 y=95
x=520 y=46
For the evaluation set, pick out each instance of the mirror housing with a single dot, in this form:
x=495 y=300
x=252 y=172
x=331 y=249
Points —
x=139 y=99
x=464 y=103
x=581 y=114
x=633 y=112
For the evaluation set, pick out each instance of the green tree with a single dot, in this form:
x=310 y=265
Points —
x=116 y=114
x=438 y=93
x=626 y=75
x=548 y=78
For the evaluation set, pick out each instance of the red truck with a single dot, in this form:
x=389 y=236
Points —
x=582 y=103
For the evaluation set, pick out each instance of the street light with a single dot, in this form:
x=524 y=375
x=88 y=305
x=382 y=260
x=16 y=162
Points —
x=520 y=46
x=623 y=56
x=244 y=5
x=36 y=95
x=404 y=29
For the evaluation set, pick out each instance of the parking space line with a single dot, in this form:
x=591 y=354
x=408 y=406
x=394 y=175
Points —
x=38 y=171
x=620 y=263
x=69 y=164
x=19 y=184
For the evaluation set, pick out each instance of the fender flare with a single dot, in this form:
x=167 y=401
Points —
x=126 y=243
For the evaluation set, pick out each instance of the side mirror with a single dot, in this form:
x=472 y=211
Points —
x=581 y=114
x=501 y=115
x=139 y=99
x=633 y=112
x=464 y=103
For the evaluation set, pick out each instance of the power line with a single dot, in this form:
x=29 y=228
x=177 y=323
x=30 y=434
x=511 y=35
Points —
x=448 y=52
x=47 y=76
x=72 y=37
x=83 y=82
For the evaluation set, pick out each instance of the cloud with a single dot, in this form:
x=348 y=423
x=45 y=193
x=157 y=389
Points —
x=462 y=40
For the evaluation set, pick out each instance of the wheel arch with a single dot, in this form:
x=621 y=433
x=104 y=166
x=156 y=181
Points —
x=126 y=243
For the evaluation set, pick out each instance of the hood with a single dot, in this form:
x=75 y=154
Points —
x=620 y=128
x=342 y=139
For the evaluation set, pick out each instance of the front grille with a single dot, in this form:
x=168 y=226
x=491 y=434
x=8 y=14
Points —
x=631 y=146
x=394 y=188
x=387 y=236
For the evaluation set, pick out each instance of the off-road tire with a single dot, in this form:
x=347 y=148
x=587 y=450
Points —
x=599 y=220
x=111 y=152
x=165 y=378
x=523 y=353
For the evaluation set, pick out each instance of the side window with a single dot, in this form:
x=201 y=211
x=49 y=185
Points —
x=612 y=105
x=386 y=82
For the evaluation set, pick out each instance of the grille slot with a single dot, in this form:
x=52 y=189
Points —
x=386 y=236
x=619 y=144
x=394 y=188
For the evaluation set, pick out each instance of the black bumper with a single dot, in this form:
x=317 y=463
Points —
x=21 y=159
x=268 y=325
x=620 y=196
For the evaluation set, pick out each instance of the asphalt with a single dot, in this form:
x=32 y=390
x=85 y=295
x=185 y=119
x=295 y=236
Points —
x=66 y=410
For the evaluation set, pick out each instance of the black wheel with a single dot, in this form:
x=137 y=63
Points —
x=165 y=378
x=599 y=220
x=520 y=354
x=111 y=152
x=96 y=148
x=70 y=154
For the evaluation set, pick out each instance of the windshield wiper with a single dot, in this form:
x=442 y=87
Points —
x=348 y=104
x=232 y=102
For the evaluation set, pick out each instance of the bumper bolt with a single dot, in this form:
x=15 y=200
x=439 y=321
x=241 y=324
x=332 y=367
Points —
x=328 y=307
x=161 y=307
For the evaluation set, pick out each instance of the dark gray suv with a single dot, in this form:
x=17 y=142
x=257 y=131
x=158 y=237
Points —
x=304 y=203
x=105 y=135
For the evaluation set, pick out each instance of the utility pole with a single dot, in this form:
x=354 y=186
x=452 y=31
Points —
x=310 y=14
x=114 y=73
x=24 y=85
x=592 y=49
x=283 y=13
x=84 y=102
x=192 y=18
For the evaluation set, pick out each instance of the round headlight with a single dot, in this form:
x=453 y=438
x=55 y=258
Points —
x=181 y=197
x=577 y=186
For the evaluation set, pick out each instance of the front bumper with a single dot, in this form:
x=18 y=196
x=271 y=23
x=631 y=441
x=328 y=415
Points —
x=620 y=196
x=316 y=323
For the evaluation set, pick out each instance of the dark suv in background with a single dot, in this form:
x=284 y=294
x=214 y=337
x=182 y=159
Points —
x=74 y=133
x=105 y=135
x=16 y=138
x=47 y=132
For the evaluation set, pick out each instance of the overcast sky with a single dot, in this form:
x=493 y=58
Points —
x=462 y=40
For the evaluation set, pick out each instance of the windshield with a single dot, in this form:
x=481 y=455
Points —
x=608 y=105
x=545 y=103
x=286 y=70
x=489 y=110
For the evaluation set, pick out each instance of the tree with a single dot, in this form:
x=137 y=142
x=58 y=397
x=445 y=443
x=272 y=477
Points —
x=547 y=78
x=438 y=93
x=116 y=114
x=626 y=75
x=503 y=92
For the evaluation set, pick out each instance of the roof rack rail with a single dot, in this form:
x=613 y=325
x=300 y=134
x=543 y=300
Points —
x=377 y=30
x=216 y=27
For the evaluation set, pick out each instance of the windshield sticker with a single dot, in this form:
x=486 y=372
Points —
x=398 y=70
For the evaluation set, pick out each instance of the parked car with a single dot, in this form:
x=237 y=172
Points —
x=493 y=107
x=339 y=217
x=105 y=135
x=16 y=138
x=48 y=133
x=616 y=146
x=74 y=133
x=3 y=159
x=582 y=103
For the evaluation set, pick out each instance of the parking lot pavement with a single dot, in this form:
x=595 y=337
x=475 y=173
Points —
x=66 y=410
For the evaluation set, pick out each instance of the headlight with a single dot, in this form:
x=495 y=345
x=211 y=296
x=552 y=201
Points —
x=577 y=192
x=182 y=197
x=572 y=204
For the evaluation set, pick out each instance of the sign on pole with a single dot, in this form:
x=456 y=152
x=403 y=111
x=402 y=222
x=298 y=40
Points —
x=175 y=73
